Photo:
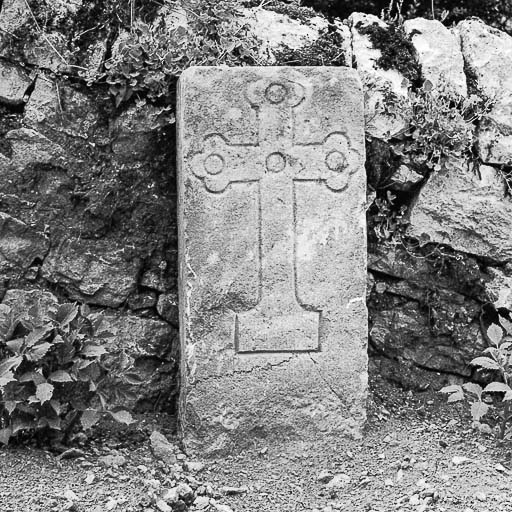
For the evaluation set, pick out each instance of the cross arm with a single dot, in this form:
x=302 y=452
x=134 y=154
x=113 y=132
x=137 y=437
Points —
x=333 y=160
x=221 y=163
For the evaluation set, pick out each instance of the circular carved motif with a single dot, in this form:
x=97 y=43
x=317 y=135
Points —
x=276 y=162
x=276 y=93
x=214 y=164
x=336 y=161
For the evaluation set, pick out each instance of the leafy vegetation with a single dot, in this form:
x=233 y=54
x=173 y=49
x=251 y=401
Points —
x=441 y=126
x=496 y=360
x=388 y=222
x=53 y=373
x=145 y=63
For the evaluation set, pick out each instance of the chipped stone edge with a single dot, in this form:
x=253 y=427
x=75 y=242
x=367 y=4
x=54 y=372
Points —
x=184 y=302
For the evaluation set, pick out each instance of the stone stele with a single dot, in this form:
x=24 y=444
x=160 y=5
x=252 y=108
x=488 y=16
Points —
x=272 y=254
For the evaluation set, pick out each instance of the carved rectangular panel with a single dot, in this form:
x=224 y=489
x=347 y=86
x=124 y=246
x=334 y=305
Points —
x=247 y=304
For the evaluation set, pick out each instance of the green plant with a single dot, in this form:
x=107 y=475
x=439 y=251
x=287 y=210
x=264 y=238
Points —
x=149 y=59
x=54 y=370
x=388 y=219
x=497 y=360
x=441 y=126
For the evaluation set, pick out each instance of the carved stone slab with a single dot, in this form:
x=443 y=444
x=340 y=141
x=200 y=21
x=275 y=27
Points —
x=272 y=254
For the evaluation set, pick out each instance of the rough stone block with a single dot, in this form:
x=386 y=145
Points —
x=20 y=246
x=14 y=14
x=439 y=53
x=276 y=31
x=488 y=58
x=93 y=272
x=14 y=83
x=468 y=211
x=55 y=106
x=272 y=254
x=382 y=86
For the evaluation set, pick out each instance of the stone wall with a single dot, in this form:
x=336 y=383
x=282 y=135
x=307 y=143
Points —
x=88 y=201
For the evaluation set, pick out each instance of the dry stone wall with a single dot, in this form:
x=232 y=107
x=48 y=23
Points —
x=88 y=194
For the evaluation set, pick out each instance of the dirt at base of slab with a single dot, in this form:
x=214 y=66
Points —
x=418 y=454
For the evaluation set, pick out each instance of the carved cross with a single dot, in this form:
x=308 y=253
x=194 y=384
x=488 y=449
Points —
x=278 y=323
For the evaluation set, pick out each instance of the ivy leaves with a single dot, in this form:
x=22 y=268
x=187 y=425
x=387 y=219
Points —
x=496 y=359
x=54 y=369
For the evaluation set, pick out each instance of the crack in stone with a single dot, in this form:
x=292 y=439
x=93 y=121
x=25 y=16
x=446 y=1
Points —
x=326 y=381
x=269 y=366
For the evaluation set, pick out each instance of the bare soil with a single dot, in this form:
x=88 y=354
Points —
x=418 y=454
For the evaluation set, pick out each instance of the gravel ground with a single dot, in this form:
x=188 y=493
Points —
x=418 y=454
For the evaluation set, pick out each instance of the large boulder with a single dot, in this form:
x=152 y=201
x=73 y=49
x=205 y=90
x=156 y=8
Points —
x=488 y=57
x=466 y=210
x=439 y=54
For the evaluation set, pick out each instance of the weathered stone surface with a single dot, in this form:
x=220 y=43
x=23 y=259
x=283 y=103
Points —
x=439 y=53
x=273 y=268
x=56 y=58
x=500 y=287
x=167 y=308
x=429 y=268
x=425 y=308
x=405 y=178
x=425 y=325
x=14 y=83
x=366 y=55
x=142 y=300
x=162 y=448
x=22 y=300
x=96 y=273
x=20 y=245
x=60 y=108
x=467 y=211
x=383 y=87
x=276 y=30
x=14 y=14
x=133 y=132
x=143 y=336
x=402 y=331
x=29 y=147
x=488 y=56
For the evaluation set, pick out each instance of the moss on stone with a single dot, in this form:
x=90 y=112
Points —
x=327 y=50
x=397 y=50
